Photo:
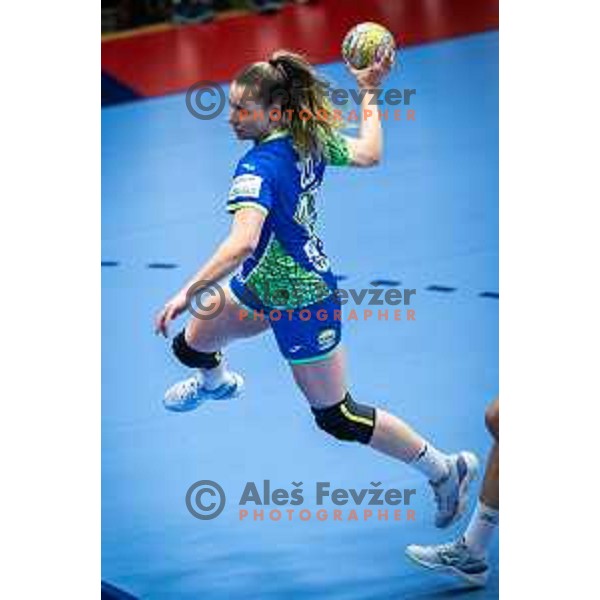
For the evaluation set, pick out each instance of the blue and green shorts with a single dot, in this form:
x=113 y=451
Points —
x=304 y=335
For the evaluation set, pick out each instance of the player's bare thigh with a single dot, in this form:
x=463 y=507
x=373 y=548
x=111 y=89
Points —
x=323 y=383
x=223 y=320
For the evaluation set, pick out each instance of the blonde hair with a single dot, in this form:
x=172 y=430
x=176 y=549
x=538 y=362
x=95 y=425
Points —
x=290 y=80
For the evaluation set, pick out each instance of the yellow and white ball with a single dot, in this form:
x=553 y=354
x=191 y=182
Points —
x=366 y=44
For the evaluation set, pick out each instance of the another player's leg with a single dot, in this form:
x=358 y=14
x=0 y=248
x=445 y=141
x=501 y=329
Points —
x=322 y=381
x=199 y=346
x=467 y=556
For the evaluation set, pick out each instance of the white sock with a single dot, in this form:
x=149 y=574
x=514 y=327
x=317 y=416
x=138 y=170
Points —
x=481 y=529
x=432 y=463
x=213 y=378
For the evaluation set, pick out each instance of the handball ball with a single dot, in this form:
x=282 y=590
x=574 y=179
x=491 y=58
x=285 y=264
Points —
x=366 y=44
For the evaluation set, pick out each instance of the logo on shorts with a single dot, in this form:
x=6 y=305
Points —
x=326 y=339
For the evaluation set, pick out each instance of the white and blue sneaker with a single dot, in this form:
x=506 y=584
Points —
x=191 y=393
x=452 y=492
x=454 y=558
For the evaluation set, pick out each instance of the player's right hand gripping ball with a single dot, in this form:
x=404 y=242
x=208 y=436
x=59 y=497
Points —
x=366 y=44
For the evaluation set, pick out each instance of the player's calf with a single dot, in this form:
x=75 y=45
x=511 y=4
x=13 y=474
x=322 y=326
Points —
x=492 y=419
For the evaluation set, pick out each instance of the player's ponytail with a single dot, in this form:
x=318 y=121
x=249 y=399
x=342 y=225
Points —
x=291 y=81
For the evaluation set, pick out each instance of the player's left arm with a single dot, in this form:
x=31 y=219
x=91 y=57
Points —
x=240 y=243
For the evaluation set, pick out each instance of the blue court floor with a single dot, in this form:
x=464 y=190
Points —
x=427 y=219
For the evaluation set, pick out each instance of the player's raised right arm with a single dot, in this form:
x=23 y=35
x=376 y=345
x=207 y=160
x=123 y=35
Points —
x=366 y=150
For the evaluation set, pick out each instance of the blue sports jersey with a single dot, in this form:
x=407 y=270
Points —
x=289 y=268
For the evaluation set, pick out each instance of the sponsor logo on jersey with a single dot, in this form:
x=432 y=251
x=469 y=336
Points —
x=245 y=186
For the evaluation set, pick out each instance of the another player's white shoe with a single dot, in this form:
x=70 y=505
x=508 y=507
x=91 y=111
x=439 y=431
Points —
x=454 y=558
x=191 y=393
x=452 y=492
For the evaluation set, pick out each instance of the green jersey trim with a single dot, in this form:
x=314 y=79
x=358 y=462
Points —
x=274 y=135
x=245 y=204
x=312 y=359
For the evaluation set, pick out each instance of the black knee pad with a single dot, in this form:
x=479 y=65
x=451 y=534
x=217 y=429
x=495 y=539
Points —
x=192 y=358
x=347 y=421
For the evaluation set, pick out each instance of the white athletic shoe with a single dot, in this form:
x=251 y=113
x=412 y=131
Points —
x=454 y=558
x=191 y=393
x=451 y=493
